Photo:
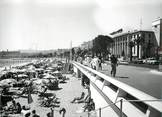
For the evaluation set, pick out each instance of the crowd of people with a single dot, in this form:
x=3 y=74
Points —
x=16 y=108
x=22 y=81
x=97 y=61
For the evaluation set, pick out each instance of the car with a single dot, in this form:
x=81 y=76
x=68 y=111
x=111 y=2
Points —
x=152 y=61
x=138 y=61
x=123 y=62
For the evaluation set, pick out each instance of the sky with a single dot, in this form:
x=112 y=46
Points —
x=53 y=24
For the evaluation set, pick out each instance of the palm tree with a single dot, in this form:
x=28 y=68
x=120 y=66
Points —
x=131 y=44
x=139 y=41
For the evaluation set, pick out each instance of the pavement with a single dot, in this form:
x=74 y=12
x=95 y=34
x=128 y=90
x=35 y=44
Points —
x=145 y=79
x=156 y=72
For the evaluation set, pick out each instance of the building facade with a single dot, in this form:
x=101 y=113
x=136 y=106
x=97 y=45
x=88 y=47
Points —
x=157 y=29
x=87 y=45
x=138 y=44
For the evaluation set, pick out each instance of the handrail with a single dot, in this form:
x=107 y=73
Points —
x=128 y=89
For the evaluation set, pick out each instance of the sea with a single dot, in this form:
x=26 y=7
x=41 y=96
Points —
x=13 y=62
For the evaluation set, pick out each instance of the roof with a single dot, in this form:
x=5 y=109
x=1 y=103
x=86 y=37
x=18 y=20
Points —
x=127 y=33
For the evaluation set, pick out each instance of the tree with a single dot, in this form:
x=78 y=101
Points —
x=100 y=45
x=139 y=41
x=73 y=53
x=78 y=51
x=66 y=54
x=131 y=44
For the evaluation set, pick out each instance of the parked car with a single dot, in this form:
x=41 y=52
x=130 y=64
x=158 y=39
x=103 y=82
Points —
x=138 y=61
x=122 y=61
x=151 y=61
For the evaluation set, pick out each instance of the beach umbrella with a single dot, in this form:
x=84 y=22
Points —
x=27 y=82
x=31 y=71
x=39 y=69
x=41 y=81
x=7 y=82
x=33 y=79
x=4 y=85
x=49 y=76
x=31 y=67
x=3 y=73
x=54 y=65
x=56 y=72
x=22 y=76
x=14 y=70
x=50 y=68
x=21 y=70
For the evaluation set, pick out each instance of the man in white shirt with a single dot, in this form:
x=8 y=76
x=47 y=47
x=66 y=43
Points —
x=95 y=62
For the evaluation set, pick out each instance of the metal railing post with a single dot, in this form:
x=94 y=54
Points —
x=99 y=112
x=121 y=108
x=88 y=114
x=52 y=112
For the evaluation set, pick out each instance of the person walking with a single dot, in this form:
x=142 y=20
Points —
x=114 y=64
x=95 y=63
x=100 y=62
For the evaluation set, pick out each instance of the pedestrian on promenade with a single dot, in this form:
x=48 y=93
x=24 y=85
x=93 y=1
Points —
x=100 y=62
x=114 y=64
x=95 y=63
x=80 y=59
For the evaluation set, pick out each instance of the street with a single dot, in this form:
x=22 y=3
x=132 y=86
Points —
x=138 y=77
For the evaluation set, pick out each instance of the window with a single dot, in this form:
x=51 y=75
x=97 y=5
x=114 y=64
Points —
x=143 y=35
x=149 y=35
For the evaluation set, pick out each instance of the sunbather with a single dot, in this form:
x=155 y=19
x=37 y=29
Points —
x=89 y=106
x=78 y=98
x=85 y=100
x=43 y=90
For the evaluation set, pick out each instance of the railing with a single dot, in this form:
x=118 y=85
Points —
x=93 y=113
x=103 y=82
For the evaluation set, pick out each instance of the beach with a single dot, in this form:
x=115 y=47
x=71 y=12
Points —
x=37 y=75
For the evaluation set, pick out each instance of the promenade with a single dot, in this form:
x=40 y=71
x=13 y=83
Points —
x=138 y=77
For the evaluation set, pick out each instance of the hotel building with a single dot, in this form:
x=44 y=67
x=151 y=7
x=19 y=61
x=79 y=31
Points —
x=139 y=44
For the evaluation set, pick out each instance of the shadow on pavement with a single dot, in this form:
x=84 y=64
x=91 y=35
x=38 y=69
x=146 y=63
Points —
x=122 y=77
x=55 y=89
x=63 y=82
